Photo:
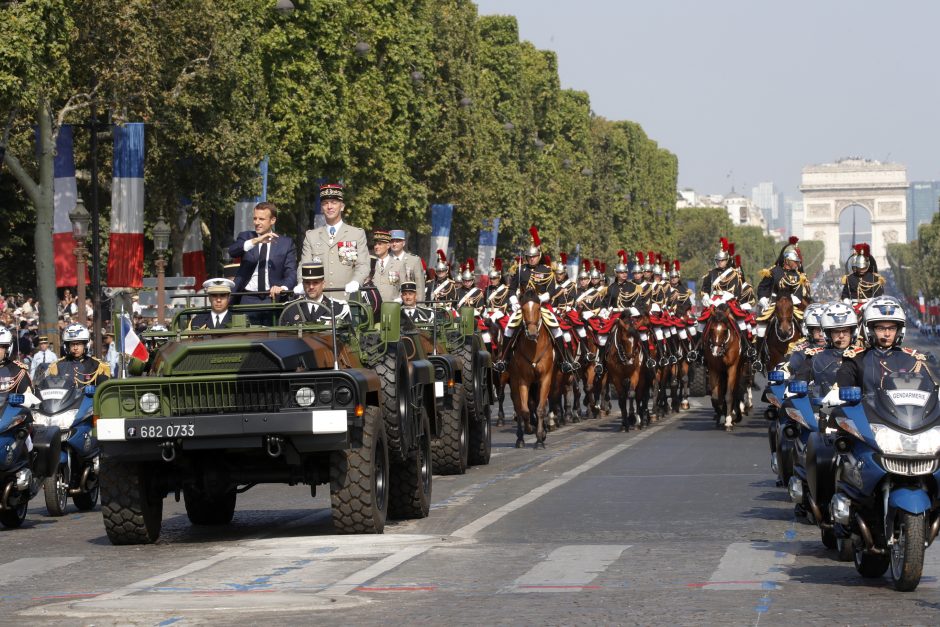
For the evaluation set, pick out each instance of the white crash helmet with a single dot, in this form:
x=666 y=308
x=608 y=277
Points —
x=6 y=337
x=76 y=333
x=812 y=317
x=839 y=316
x=883 y=309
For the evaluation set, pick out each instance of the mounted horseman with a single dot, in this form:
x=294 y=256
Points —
x=621 y=296
x=537 y=277
x=784 y=282
x=724 y=285
x=443 y=286
x=468 y=295
x=863 y=283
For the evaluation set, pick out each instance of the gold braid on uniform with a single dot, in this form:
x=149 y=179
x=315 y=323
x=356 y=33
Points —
x=866 y=289
x=16 y=380
x=538 y=284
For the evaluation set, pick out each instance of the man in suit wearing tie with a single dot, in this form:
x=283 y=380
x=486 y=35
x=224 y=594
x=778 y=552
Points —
x=409 y=298
x=219 y=292
x=341 y=248
x=268 y=261
x=409 y=261
x=315 y=307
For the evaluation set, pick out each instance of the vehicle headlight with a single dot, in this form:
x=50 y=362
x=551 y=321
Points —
x=63 y=420
x=149 y=402
x=326 y=397
x=894 y=442
x=439 y=373
x=305 y=396
x=343 y=395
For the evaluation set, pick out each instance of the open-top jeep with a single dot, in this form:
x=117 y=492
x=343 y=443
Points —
x=350 y=404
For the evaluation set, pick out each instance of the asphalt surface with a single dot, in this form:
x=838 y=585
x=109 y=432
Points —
x=679 y=523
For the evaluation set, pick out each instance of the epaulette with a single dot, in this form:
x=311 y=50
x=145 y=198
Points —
x=20 y=364
x=913 y=353
x=853 y=351
x=845 y=279
x=813 y=351
x=881 y=280
x=765 y=273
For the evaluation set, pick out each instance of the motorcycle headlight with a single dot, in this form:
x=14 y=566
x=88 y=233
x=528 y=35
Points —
x=63 y=420
x=894 y=442
x=149 y=402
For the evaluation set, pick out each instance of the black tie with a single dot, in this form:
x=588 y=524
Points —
x=262 y=268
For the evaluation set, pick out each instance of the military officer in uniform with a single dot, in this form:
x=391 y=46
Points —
x=864 y=283
x=315 y=308
x=562 y=289
x=409 y=302
x=468 y=295
x=537 y=277
x=77 y=363
x=721 y=278
x=442 y=287
x=389 y=270
x=409 y=261
x=784 y=278
x=622 y=282
x=219 y=292
x=883 y=324
x=497 y=292
x=341 y=248
x=41 y=358
x=13 y=376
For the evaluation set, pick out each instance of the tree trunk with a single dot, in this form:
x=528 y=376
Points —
x=45 y=255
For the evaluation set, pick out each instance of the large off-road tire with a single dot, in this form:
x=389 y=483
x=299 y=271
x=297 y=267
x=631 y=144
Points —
x=907 y=554
x=450 y=451
x=131 y=508
x=698 y=380
x=56 y=490
x=410 y=494
x=13 y=518
x=359 y=479
x=205 y=509
x=481 y=440
x=475 y=393
x=395 y=408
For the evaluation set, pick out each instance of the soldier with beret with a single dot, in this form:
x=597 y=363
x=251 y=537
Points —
x=315 y=308
x=409 y=261
x=342 y=249
x=219 y=292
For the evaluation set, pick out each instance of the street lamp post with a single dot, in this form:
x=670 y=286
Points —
x=161 y=241
x=80 y=221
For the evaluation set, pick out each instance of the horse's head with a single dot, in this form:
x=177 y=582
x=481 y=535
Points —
x=628 y=340
x=721 y=333
x=783 y=311
x=531 y=309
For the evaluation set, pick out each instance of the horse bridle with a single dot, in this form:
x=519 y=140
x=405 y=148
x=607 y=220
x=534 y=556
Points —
x=623 y=357
x=723 y=347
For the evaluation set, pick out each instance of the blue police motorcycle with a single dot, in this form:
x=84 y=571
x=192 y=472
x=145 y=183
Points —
x=781 y=458
x=27 y=453
x=67 y=405
x=888 y=470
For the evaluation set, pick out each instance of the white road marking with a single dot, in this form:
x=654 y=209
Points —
x=22 y=569
x=569 y=568
x=752 y=566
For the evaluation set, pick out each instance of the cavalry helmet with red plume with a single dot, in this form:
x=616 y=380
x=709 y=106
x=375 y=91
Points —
x=622 y=263
x=441 y=265
x=675 y=272
x=561 y=266
x=722 y=254
x=536 y=248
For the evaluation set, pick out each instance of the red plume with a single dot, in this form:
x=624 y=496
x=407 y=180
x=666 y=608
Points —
x=859 y=248
x=564 y=259
x=424 y=264
x=737 y=261
x=731 y=249
x=794 y=239
x=534 y=232
x=597 y=265
x=867 y=250
x=587 y=265
x=442 y=255
x=676 y=263
x=623 y=256
x=603 y=268
x=640 y=258
x=498 y=264
x=471 y=264
x=724 y=243
x=659 y=258
x=651 y=256
x=548 y=259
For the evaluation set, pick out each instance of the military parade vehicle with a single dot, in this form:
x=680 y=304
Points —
x=353 y=405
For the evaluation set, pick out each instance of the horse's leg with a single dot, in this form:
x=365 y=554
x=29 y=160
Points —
x=621 y=384
x=730 y=405
x=520 y=402
x=684 y=384
x=501 y=397
x=540 y=433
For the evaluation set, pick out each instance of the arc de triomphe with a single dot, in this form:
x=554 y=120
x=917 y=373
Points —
x=860 y=197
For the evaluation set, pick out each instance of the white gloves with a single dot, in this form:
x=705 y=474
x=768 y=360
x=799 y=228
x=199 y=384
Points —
x=764 y=301
x=543 y=297
x=832 y=398
x=299 y=289
x=352 y=286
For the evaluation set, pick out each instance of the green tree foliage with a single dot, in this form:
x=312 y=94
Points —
x=409 y=102
x=916 y=265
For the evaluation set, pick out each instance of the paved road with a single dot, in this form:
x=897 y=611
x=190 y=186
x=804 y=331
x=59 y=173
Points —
x=678 y=524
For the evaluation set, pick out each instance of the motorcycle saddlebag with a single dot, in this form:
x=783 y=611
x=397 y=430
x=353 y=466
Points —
x=47 y=444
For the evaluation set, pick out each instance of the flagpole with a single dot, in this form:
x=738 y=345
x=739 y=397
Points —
x=122 y=359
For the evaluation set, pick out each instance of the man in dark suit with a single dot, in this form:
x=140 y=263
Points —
x=315 y=307
x=268 y=261
x=219 y=292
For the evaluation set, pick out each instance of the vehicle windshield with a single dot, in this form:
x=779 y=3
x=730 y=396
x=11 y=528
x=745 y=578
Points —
x=906 y=399
x=266 y=315
x=57 y=392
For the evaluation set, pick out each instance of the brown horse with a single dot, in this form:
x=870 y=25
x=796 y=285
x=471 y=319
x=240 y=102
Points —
x=782 y=329
x=624 y=369
x=583 y=387
x=724 y=361
x=530 y=371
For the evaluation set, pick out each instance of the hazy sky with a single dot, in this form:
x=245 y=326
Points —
x=745 y=91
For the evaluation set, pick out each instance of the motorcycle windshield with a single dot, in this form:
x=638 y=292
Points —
x=58 y=393
x=906 y=399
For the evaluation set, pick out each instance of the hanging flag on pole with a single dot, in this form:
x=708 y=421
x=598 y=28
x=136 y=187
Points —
x=131 y=344
x=126 y=244
x=65 y=194
x=441 y=216
x=486 y=251
x=194 y=257
x=244 y=208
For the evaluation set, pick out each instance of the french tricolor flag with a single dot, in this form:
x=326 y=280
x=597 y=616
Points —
x=194 y=256
x=126 y=246
x=130 y=342
x=64 y=195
